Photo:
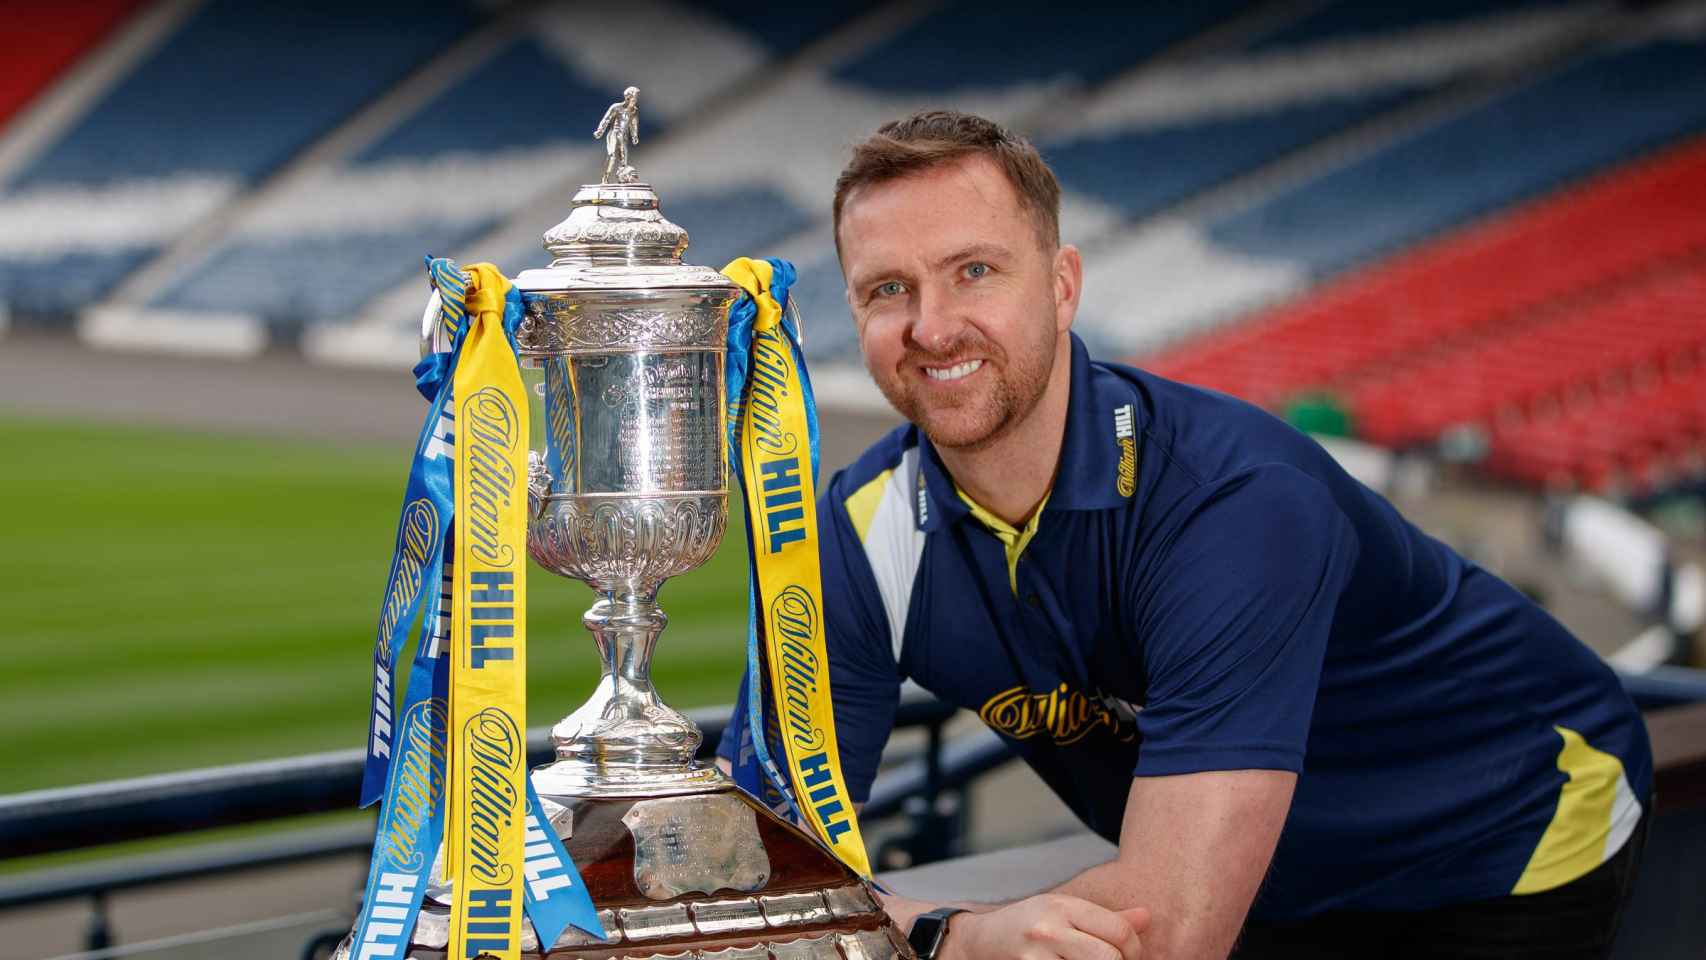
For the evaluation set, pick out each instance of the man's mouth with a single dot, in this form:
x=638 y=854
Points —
x=954 y=372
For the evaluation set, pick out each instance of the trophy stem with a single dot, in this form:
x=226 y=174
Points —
x=625 y=740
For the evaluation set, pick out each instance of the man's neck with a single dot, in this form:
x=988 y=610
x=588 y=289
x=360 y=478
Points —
x=1012 y=475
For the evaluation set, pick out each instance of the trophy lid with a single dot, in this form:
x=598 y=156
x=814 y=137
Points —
x=616 y=236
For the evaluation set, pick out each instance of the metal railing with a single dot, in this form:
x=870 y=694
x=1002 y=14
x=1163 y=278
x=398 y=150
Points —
x=925 y=786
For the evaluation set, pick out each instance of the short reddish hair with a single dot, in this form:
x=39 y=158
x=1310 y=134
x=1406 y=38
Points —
x=934 y=137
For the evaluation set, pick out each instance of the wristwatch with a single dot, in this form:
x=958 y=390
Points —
x=929 y=930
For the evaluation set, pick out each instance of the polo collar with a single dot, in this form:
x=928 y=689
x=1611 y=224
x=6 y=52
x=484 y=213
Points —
x=1103 y=419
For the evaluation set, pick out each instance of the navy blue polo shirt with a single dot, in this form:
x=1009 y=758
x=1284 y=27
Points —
x=1206 y=589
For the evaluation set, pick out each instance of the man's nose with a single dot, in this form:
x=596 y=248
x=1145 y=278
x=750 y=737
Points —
x=938 y=322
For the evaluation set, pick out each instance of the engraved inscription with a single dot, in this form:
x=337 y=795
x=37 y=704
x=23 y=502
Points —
x=696 y=844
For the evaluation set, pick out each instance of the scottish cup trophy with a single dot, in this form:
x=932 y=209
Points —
x=622 y=352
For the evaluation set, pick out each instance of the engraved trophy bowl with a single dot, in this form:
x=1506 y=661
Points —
x=622 y=351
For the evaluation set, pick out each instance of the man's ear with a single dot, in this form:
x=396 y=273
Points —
x=1068 y=285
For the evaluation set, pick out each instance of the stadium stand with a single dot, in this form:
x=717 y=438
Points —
x=1165 y=134
x=194 y=124
x=46 y=41
x=766 y=204
x=1648 y=437
x=1214 y=156
x=1583 y=117
x=504 y=129
x=1490 y=274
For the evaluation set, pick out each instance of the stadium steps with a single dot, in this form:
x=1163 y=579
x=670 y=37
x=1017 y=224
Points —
x=1310 y=97
x=1646 y=437
x=836 y=85
x=1624 y=80
x=1365 y=326
x=190 y=125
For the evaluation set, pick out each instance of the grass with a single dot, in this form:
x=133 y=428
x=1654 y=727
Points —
x=174 y=600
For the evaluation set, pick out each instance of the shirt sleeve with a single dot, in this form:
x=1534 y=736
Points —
x=864 y=679
x=1234 y=613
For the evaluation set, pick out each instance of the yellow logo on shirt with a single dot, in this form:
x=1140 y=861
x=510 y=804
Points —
x=1067 y=716
x=1125 y=433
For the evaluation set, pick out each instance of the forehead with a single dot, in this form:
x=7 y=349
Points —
x=930 y=213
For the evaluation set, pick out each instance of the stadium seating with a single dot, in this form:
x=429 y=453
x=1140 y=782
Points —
x=1646 y=437
x=1572 y=122
x=1457 y=286
x=998 y=44
x=227 y=97
x=44 y=41
x=512 y=127
x=1166 y=136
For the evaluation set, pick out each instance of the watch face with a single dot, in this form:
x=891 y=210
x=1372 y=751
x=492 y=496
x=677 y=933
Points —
x=928 y=931
x=926 y=936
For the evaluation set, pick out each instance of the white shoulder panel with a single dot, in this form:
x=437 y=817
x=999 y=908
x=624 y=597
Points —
x=894 y=546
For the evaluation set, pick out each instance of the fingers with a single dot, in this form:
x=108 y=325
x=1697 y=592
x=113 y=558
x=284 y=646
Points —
x=1078 y=945
x=1106 y=925
x=1137 y=918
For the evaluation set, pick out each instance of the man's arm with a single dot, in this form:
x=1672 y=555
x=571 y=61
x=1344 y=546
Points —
x=1193 y=851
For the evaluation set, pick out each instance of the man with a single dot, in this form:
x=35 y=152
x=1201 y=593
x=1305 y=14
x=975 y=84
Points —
x=1220 y=650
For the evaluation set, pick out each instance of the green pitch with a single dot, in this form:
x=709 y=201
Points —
x=176 y=600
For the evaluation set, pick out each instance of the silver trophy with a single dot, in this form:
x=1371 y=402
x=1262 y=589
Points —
x=622 y=350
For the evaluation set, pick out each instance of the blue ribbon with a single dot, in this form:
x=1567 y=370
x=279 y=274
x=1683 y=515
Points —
x=552 y=890
x=411 y=819
x=422 y=529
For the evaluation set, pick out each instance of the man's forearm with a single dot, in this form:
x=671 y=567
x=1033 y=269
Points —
x=903 y=910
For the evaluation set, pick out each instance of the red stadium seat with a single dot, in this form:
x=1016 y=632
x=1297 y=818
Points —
x=1573 y=330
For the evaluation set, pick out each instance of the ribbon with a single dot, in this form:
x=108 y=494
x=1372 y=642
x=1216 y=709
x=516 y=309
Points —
x=421 y=530
x=411 y=817
x=486 y=823
x=411 y=820
x=469 y=674
x=773 y=444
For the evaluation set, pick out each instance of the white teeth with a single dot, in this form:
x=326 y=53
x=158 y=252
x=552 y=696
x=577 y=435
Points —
x=954 y=372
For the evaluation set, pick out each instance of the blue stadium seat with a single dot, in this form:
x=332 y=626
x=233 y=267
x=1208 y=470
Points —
x=1144 y=171
x=525 y=96
x=231 y=95
x=498 y=106
x=1564 y=125
x=994 y=44
x=783 y=28
x=312 y=278
x=1345 y=19
x=241 y=87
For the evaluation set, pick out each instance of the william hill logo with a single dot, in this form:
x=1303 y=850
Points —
x=1125 y=433
x=1067 y=716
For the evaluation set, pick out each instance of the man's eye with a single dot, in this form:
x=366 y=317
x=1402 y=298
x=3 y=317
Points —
x=893 y=288
x=976 y=270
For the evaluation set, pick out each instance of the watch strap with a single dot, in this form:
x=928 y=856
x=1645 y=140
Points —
x=929 y=930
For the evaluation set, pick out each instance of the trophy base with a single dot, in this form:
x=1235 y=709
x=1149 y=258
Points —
x=708 y=874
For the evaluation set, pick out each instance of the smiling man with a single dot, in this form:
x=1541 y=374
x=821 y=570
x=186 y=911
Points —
x=1282 y=700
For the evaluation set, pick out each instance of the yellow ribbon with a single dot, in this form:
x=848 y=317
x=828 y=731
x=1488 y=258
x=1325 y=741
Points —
x=781 y=504
x=486 y=812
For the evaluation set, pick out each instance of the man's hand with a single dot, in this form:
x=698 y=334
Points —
x=1046 y=927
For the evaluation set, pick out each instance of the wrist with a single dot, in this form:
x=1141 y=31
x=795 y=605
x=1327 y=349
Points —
x=960 y=945
x=929 y=936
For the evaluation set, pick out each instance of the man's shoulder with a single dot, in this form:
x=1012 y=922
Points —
x=876 y=466
x=1208 y=435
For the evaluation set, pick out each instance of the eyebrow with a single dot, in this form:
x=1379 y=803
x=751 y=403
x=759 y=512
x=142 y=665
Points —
x=991 y=250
